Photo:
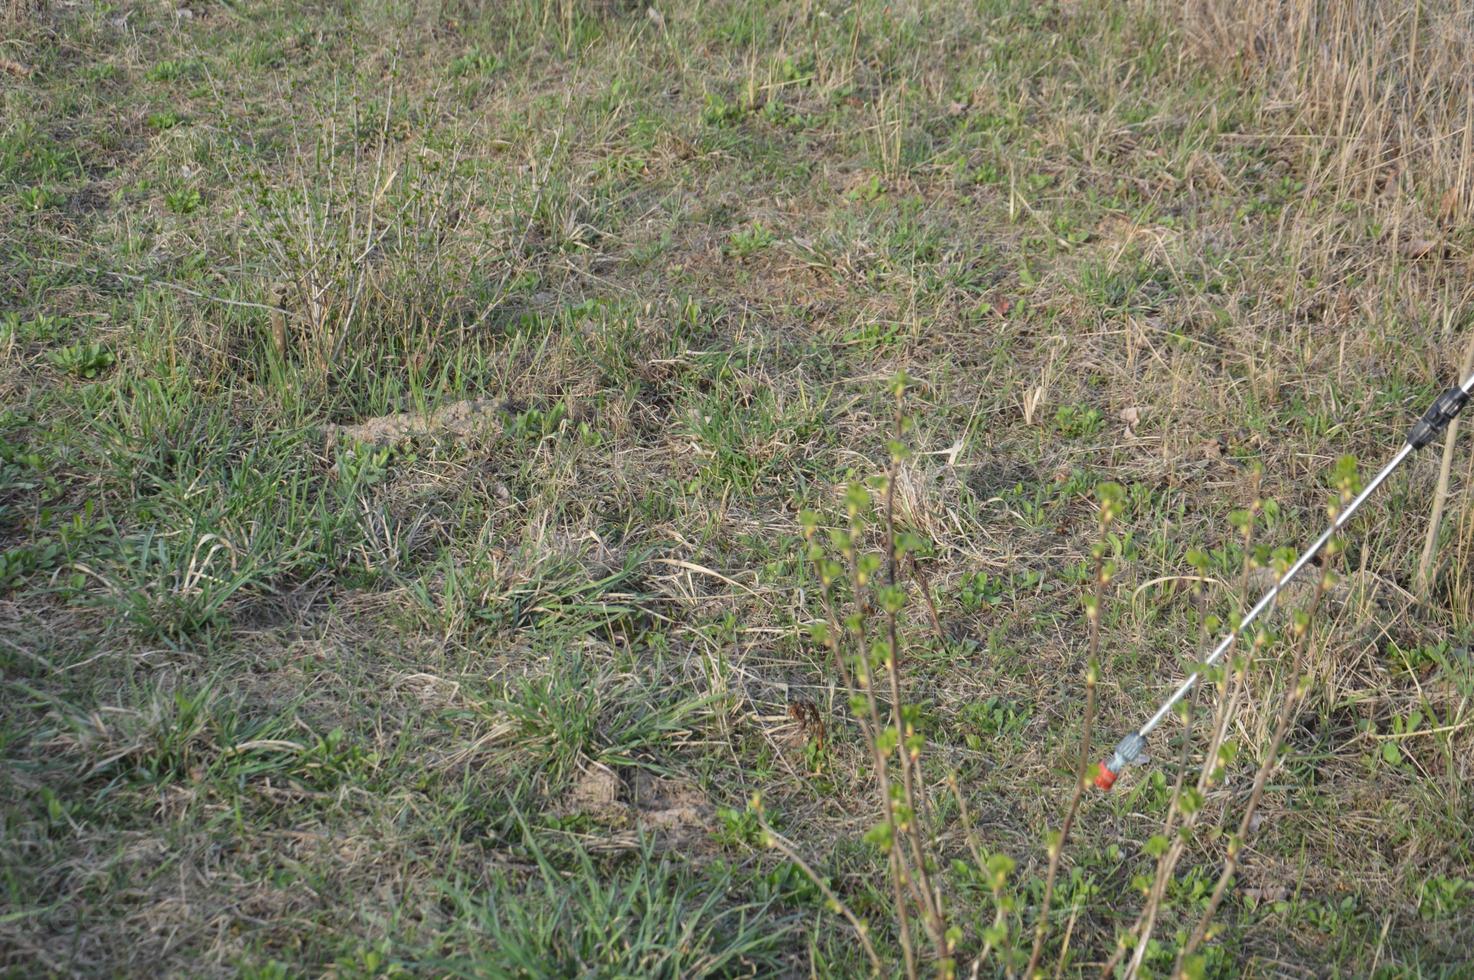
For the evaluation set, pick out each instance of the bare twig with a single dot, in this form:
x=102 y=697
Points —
x=1109 y=505
x=902 y=881
x=931 y=605
x=910 y=758
x=1236 y=843
x=779 y=843
x=1229 y=688
x=1146 y=921
x=1057 y=846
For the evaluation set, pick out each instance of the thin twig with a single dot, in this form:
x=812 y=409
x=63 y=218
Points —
x=1146 y=921
x=1110 y=497
x=910 y=762
x=1236 y=843
x=931 y=606
x=1301 y=645
x=1057 y=847
x=869 y=729
x=777 y=841
x=1230 y=689
x=900 y=871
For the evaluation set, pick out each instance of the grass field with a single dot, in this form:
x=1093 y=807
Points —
x=414 y=416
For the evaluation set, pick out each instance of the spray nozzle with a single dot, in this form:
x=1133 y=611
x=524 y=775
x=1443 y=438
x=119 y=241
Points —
x=1128 y=750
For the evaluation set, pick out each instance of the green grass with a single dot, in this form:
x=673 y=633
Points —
x=280 y=702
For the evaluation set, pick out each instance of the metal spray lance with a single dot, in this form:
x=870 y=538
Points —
x=1435 y=420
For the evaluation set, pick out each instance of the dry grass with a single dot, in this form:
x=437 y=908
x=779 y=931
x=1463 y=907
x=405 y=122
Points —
x=1379 y=91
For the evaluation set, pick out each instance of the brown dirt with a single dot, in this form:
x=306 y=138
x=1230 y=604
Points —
x=460 y=419
x=676 y=812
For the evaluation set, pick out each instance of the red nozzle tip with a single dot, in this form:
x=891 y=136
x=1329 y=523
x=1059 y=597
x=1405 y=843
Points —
x=1104 y=778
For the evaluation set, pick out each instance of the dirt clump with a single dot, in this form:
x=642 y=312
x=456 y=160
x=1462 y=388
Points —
x=460 y=419
x=676 y=812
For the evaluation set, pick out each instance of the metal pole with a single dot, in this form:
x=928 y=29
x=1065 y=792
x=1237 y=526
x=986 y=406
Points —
x=1434 y=420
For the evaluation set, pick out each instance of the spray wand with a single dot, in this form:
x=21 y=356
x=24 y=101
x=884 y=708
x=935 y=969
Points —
x=1435 y=420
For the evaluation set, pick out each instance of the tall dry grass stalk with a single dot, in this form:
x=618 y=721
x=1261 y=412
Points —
x=17 y=11
x=1427 y=562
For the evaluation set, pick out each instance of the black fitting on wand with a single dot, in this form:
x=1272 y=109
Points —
x=1438 y=416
